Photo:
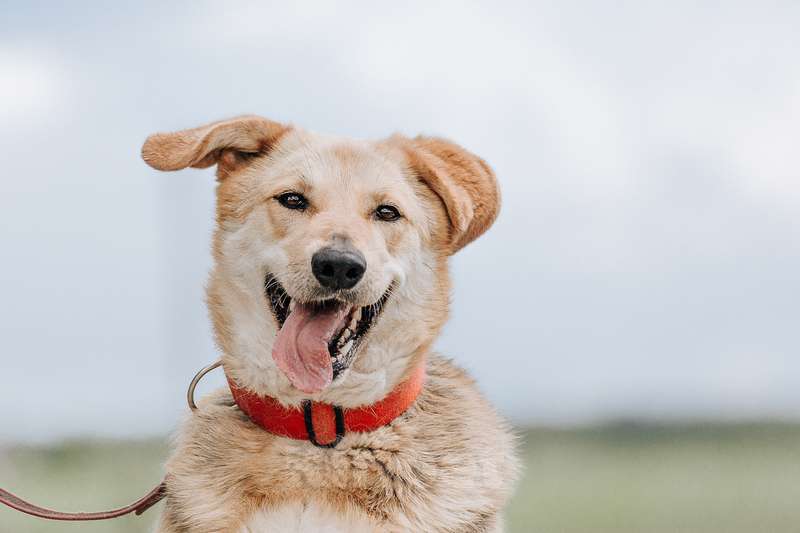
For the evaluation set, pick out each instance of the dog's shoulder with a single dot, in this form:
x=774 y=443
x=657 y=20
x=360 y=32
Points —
x=448 y=464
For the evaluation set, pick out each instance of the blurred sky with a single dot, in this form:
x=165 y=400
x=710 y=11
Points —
x=645 y=263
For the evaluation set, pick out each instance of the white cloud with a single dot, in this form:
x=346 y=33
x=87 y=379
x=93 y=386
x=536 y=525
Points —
x=29 y=86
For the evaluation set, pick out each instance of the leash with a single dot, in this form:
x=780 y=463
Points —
x=138 y=507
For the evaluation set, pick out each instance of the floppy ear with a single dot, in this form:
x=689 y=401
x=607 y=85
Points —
x=227 y=143
x=464 y=182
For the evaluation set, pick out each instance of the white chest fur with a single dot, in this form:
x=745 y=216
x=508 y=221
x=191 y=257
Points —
x=307 y=518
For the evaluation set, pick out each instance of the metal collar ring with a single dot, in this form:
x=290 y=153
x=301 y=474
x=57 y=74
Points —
x=196 y=379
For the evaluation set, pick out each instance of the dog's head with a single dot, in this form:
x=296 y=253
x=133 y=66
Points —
x=330 y=274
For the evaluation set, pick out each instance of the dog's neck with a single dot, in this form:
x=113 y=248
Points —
x=325 y=424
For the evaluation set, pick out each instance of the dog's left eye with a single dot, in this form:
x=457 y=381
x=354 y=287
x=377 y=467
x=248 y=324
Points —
x=387 y=213
x=292 y=200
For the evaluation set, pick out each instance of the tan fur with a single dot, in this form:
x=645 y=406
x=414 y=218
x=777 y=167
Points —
x=220 y=142
x=448 y=463
x=464 y=182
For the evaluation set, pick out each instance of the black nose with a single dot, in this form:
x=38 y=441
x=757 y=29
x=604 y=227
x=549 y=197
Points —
x=337 y=268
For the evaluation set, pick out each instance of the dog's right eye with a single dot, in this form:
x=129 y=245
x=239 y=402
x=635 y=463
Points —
x=292 y=200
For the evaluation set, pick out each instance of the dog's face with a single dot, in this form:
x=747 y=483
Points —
x=330 y=274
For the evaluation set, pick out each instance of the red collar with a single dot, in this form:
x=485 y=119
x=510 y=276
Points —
x=324 y=424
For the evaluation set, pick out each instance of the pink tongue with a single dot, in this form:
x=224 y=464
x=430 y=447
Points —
x=301 y=347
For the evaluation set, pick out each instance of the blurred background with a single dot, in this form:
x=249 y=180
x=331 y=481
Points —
x=634 y=311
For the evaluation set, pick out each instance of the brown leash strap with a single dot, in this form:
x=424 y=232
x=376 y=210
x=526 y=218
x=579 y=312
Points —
x=137 y=507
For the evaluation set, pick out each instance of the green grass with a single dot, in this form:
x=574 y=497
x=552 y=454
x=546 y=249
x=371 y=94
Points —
x=631 y=478
x=81 y=476
x=624 y=478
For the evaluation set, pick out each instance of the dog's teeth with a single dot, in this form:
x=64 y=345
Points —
x=346 y=347
x=357 y=315
x=291 y=305
x=344 y=338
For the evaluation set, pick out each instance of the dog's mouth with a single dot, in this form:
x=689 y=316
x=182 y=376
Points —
x=317 y=340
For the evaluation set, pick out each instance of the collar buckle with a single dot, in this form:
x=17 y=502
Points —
x=308 y=417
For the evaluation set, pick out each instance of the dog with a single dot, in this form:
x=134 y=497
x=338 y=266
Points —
x=329 y=286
